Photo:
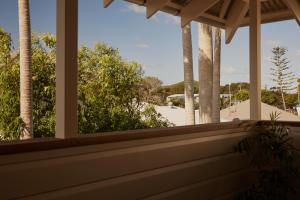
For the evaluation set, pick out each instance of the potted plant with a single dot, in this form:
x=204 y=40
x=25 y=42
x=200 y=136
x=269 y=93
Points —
x=272 y=156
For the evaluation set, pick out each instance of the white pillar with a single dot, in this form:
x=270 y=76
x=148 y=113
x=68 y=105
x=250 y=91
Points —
x=66 y=68
x=255 y=60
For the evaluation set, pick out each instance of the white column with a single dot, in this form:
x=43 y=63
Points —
x=66 y=68
x=255 y=60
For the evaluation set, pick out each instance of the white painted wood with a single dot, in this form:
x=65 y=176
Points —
x=66 y=68
x=153 y=6
x=194 y=9
x=98 y=166
x=149 y=183
x=184 y=167
x=255 y=59
x=59 y=153
x=234 y=19
x=210 y=189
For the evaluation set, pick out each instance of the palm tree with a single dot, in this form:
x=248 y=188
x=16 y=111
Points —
x=216 y=77
x=25 y=69
x=205 y=73
x=188 y=75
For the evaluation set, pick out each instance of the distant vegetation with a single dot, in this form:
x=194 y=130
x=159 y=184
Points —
x=240 y=92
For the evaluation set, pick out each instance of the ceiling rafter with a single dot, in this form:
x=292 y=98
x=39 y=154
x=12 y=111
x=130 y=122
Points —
x=224 y=8
x=235 y=17
x=194 y=9
x=294 y=7
x=210 y=16
x=154 y=5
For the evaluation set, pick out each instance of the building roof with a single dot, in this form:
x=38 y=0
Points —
x=242 y=112
x=226 y=14
x=176 y=115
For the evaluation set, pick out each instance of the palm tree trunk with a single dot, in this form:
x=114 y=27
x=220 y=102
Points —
x=188 y=75
x=216 y=77
x=205 y=73
x=25 y=69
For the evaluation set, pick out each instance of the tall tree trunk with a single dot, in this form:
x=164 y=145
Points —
x=298 y=97
x=283 y=100
x=188 y=75
x=216 y=77
x=25 y=69
x=205 y=73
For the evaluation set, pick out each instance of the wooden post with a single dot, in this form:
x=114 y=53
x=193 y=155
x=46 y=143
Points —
x=255 y=60
x=66 y=68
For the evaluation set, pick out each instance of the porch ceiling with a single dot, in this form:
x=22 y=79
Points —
x=226 y=14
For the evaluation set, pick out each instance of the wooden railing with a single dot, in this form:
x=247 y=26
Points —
x=194 y=162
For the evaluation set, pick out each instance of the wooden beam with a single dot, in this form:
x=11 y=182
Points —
x=66 y=68
x=194 y=9
x=235 y=18
x=255 y=60
x=294 y=7
x=154 y=5
x=224 y=8
x=106 y=3
x=271 y=17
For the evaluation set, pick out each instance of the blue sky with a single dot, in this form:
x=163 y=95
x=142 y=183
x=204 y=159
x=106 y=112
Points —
x=156 y=43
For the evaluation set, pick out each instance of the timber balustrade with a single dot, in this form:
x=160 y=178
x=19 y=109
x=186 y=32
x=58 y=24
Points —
x=170 y=163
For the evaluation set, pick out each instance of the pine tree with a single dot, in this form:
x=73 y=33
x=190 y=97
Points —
x=281 y=72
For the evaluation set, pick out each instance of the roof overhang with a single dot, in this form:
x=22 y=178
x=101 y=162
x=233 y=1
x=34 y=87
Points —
x=225 y=14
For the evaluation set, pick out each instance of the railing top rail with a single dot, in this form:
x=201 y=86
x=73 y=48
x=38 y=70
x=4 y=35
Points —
x=43 y=144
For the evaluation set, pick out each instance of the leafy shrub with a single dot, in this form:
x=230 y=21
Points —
x=272 y=154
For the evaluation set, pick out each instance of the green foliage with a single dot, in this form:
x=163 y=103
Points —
x=234 y=88
x=242 y=95
x=178 y=102
x=151 y=90
x=178 y=88
x=108 y=91
x=43 y=71
x=282 y=76
x=271 y=153
x=6 y=47
x=10 y=123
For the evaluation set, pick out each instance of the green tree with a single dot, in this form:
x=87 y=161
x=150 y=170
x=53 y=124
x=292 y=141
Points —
x=242 y=95
x=108 y=91
x=281 y=74
x=270 y=97
x=150 y=90
x=11 y=125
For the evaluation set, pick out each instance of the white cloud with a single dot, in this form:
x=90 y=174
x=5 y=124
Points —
x=229 y=70
x=142 y=46
x=170 y=19
x=273 y=43
x=298 y=53
x=135 y=8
